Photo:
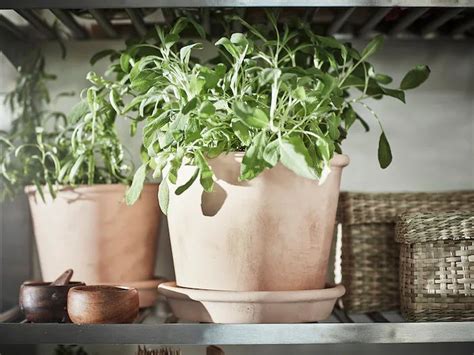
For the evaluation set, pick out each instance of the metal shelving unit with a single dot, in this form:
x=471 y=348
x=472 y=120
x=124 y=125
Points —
x=340 y=328
x=90 y=19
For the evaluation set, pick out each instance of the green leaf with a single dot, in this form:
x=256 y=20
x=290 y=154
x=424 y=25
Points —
x=125 y=62
x=186 y=185
x=271 y=154
x=253 y=117
x=191 y=105
x=185 y=52
x=295 y=157
x=206 y=176
x=349 y=117
x=299 y=93
x=383 y=79
x=196 y=84
x=373 y=46
x=78 y=112
x=239 y=39
x=144 y=80
x=415 y=77
x=102 y=54
x=384 y=152
x=207 y=109
x=241 y=130
x=164 y=196
x=253 y=163
x=134 y=191
x=398 y=94
x=363 y=123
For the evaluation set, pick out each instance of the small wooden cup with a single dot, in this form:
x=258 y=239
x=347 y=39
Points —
x=102 y=304
x=42 y=302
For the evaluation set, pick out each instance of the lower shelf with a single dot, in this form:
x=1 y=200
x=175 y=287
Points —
x=340 y=328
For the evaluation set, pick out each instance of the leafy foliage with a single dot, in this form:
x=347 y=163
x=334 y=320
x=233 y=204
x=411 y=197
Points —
x=277 y=94
x=46 y=148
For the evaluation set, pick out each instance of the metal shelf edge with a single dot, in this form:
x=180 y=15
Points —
x=103 y=4
x=237 y=334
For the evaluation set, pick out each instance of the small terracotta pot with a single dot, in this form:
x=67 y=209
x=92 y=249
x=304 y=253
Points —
x=272 y=233
x=102 y=304
x=91 y=229
x=43 y=303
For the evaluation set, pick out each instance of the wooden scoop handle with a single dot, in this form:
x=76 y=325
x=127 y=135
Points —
x=63 y=279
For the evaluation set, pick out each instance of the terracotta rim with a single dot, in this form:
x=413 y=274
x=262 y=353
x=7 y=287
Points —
x=142 y=285
x=169 y=289
x=97 y=188
x=339 y=160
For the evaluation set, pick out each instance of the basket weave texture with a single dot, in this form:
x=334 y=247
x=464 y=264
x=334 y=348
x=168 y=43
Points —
x=437 y=266
x=370 y=255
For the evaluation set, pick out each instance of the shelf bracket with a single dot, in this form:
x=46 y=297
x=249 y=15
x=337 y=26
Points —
x=340 y=20
x=374 y=20
x=137 y=21
x=38 y=23
x=407 y=20
x=13 y=44
x=68 y=20
x=463 y=27
x=433 y=25
x=104 y=23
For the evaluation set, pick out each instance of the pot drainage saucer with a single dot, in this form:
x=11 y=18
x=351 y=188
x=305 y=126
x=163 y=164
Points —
x=251 y=307
x=146 y=289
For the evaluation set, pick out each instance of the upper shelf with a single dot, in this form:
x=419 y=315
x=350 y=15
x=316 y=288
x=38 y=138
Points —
x=107 y=4
x=30 y=21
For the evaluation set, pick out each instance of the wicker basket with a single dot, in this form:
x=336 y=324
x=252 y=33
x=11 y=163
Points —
x=370 y=255
x=437 y=266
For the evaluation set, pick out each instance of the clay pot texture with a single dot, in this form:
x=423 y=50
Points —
x=102 y=304
x=41 y=302
x=91 y=230
x=272 y=233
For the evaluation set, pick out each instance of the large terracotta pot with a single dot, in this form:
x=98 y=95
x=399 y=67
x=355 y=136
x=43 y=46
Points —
x=91 y=230
x=272 y=233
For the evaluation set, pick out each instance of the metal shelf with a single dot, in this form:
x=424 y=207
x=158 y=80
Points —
x=104 y=4
x=373 y=328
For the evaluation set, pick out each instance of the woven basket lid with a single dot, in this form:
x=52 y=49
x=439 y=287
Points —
x=422 y=227
x=363 y=207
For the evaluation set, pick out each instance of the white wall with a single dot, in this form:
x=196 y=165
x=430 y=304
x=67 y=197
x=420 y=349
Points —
x=431 y=136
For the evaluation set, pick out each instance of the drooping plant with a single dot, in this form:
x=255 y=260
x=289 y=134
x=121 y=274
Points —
x=277 y=94
x=46 y=148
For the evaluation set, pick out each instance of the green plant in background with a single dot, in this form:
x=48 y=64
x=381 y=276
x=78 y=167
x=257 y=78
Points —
x=46 y=148
x=277 y=94
x=27 y=102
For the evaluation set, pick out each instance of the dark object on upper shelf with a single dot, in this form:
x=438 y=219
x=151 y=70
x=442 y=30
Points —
x=356 y=21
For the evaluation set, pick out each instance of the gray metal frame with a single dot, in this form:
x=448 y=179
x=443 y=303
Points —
x=237 y=334
x=95 y=4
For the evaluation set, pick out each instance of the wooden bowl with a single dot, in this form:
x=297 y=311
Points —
x=102 y=304
x=43 y=303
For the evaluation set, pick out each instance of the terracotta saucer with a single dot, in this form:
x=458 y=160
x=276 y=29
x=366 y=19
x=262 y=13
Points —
x=146 y=290
x=251 y=307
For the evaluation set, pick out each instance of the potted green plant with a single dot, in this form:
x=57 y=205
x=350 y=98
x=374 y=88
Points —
x=75 y=172
x=249 y=147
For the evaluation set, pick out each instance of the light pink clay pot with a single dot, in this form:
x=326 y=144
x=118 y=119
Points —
x=91 y=230
x=272 y=233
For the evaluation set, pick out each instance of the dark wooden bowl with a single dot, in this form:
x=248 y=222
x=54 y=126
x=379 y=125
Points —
x=102 y=304
x=43 y=303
